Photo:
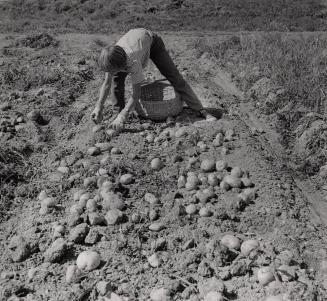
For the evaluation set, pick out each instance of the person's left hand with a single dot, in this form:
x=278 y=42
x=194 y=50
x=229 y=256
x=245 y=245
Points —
x=118 y=123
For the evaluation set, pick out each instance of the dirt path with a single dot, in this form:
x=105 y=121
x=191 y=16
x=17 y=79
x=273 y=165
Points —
x=270 y=139
x=187 y=247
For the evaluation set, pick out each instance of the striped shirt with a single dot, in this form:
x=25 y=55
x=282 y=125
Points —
x=137 y=44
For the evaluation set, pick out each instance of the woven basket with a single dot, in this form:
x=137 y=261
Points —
x=158 y=101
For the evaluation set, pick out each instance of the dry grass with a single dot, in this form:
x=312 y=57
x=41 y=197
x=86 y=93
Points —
x=297 y=63
x=111 y=16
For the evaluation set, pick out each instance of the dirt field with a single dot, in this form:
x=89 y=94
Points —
x=171 y=239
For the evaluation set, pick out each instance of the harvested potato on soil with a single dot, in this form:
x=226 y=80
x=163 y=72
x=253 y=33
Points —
x=232 y=181
x=42 y=195
x=160 y=294
x=205 y=212
x=213 y=179
x=88 y=260
x=221 y=165
x=126 y=179
x=231 y=242
x=213 y=296
x=191 y=209
x=156 y=227
x=93 y=151
x=265 y=275
x=208 y=165
x=156 y=164
x=248 y=246
x=154 y=260
x=72 y=273
x=236 y=172
x=181 y=182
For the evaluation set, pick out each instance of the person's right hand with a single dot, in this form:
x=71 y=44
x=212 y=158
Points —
x=97 y=115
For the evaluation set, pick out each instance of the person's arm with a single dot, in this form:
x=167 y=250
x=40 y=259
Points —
x=104 y=91
x=135 y=97
x=118 y=123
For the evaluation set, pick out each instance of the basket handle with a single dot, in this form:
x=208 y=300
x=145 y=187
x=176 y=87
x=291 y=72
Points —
x=143 y=108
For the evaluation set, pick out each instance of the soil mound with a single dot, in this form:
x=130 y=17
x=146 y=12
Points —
x=38 y=41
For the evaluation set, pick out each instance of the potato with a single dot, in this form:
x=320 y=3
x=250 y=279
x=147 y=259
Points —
x=209 y=192
x=181 y=182
x=72 y=273
x=202 y=146
x=203 y=179
x=107 y=186
x=191 y=209
x=202 y=197
x=44 y=210
x=205 y=212
x=83 y=199
x=78 y=194
x=156 y=227
x=219 y=140
x=191 y=174
x=58 y=231
x=88 y=260
x=93 y=151
x=236 y=172
x=213 y=296
x=153 y=215
x=229 y=134
x=224 y=151
x=49 y=202
x=156 y=164
x=63 y=169
x=191 y=185
x=160 y=294
x=91 y=205
x=246 y=182
x=42 y=195
x=90 y=181
x=136 y=218
x=265 y=275
x=224 y=186
x=151 y=198
x=230 y=241
x=126 y=179
x=101 y=180
x=212 y=179
x=181 y=132
x=103 y=146
x=102 y=172
x=115 y=151
x=150 y=138
x=221 y=165
x=114 y=217
x=154 y=260
x=76 y=209
x=248 y=195
x=233 y=181
x=208 y=165
x=248 y=246
x=105 y=160
x=31 y=273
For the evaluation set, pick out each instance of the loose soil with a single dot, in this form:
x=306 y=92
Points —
x=61 y=82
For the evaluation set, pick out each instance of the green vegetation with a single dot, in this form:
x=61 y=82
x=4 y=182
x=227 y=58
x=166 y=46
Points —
x=109 y=16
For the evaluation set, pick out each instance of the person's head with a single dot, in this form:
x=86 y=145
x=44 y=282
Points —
x=112 y=59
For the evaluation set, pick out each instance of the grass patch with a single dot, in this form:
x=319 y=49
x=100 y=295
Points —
x=297 y=63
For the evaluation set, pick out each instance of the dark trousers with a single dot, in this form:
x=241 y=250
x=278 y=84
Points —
x=161 y=58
